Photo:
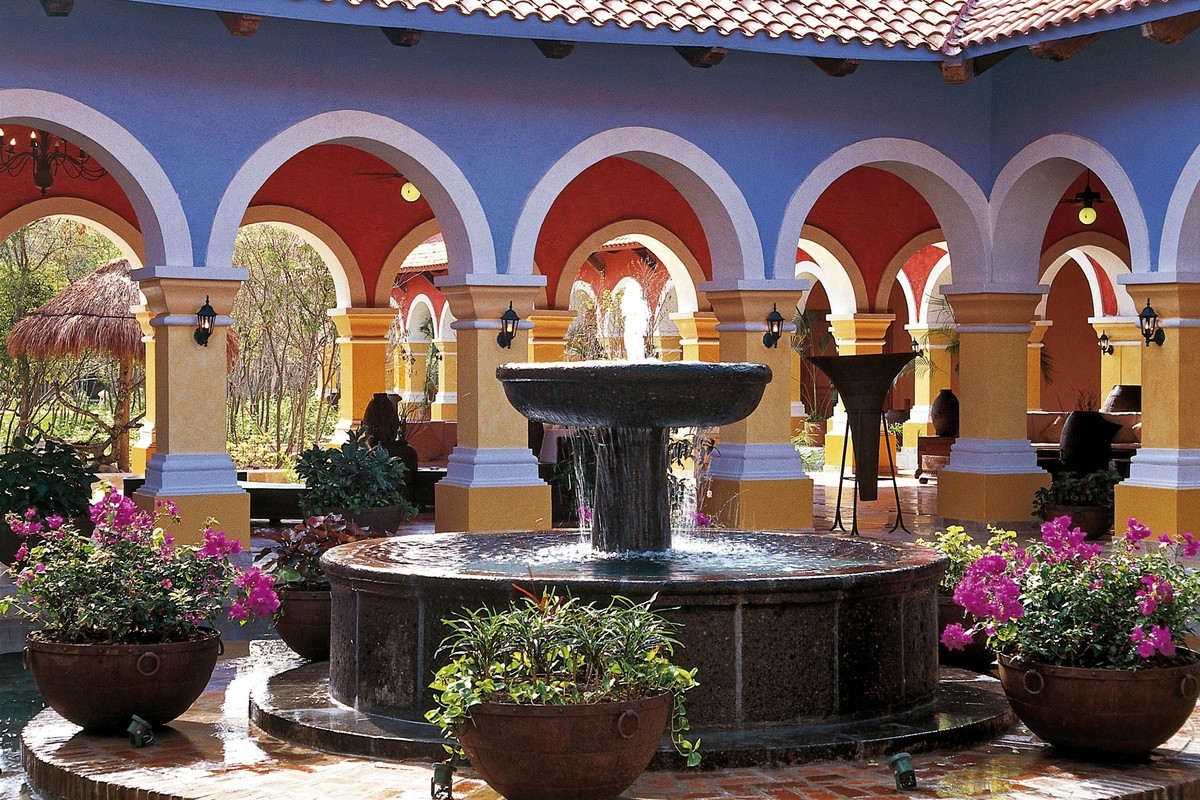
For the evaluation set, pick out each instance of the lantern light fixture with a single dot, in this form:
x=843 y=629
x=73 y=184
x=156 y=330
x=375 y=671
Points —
x=916 y=348
x=1106 y=345
x=508 y=327
x=774 y=327
x=1087 y=200
x=1148 y=319
x=206 y=319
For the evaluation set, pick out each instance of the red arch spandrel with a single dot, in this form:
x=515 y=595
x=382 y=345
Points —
x=1065 y=222
x=918 y=268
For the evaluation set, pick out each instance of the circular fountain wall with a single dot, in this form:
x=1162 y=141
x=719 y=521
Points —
x=784 y=628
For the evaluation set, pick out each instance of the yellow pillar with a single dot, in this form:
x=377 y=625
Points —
x=698 y=336
x=929 y=378
x=491 y=481
x=1163 y=488
x=143 y=448
x=362 y=348
x=855 y=335
x=757 y=481
x=993 y=470
x=1033 y=364
x=548 y=339
x=415 y=371
x=445 y=403
x=190 y=464
x=1124 y=366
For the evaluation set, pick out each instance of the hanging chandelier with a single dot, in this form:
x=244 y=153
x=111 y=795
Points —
x=47 y=154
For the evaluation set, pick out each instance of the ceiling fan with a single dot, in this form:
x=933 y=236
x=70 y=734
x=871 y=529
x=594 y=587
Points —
x=408 y=191
x=1086 y=199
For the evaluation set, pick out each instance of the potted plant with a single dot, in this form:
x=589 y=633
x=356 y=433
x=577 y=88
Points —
x=1090 y=644
x=553 y=699
x=47 y=476
x=294 y=561
x=1086 y=499
x=961 y=549
x=357 y=481
x=123 y=611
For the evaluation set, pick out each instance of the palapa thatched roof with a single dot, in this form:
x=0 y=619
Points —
x=90 y=316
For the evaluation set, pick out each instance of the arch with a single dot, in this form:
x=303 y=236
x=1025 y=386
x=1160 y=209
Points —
x=127 y=238
x=396 y=258
x=957 y=201
x=333 y=250
x=938 y=277
x=835 y=268
x=419 y=312
x=910 y=299
x=723 y=212
x=896 y=265
x=464 y=226
x=1030 y=186
x=166 y=238
x=1179 y=249
x=671 y=252
x=1085 y=248
x=446 y=325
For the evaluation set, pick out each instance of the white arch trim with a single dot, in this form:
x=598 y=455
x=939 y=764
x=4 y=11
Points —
x=464 y=226
x=724 y=214
x=910 y=300
x=333 y=250
x=669 y=249
x=166 y=237
x=126 y=237
x=938 y=277
x=395 y=259
x=1111 y=254
x=420 y=310
x=1179 y=249
x=446 y=325
x=835 y=268
x=895 y=267
x=957 y=201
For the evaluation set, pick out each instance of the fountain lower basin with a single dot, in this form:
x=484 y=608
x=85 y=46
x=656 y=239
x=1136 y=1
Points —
x=804 y=629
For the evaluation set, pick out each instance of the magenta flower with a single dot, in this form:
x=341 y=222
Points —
x=1136 y=532
x=54 y=521
x=1191 y=546
x=217 y=545
x=955 y=637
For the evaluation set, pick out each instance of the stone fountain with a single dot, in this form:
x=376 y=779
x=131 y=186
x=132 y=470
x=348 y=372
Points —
x=807 y=645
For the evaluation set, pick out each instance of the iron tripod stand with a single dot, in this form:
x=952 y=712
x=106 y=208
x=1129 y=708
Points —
x=837 y=514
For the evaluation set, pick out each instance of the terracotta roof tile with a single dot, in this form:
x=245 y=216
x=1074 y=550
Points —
x=990 y=20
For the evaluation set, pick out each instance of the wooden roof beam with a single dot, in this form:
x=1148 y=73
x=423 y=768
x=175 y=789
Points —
x=240 y=24
x=1167 y=31
x=402 y=37
x=956 y=73
x=554 y=48
x=835 y=67
x=702 y=57
x=1062 y=49
x=57 y=8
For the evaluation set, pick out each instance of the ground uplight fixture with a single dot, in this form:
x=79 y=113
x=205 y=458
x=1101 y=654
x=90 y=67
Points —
x=1106 y=345
x=906 y=776
x=1148 y=318
x=441 y=785
x=141 y=732
x=508 y=327
x=47 y=155
x=774 y=327
x=916 y=348
x=206 y=318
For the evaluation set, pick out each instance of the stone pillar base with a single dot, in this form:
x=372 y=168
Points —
x=479 y=509
x=231 y=511
x=761 y=505
x=1003 y=499
x=1163 y=509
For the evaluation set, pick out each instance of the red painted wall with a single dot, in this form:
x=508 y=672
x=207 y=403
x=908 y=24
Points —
x=1071 y=343
x=1065 y=219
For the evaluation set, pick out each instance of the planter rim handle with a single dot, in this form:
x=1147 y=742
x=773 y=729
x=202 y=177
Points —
x=628 y=724
x=1032 y=676
x=1188 y=686
x=148 y=671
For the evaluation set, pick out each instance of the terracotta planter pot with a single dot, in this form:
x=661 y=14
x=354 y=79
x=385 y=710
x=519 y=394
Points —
x=589 y=752
x=1111 y=712
x=99 y=687
x=943 y=413
x=975 y=656
x=1095 y=521
x=303 y=622
x=1085 y=444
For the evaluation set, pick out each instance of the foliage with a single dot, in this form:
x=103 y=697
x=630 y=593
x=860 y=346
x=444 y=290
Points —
x=48 y=476
x=1064 y=602
x=812 y=338
x=1069 y=489
x=295 y=558
x=127 y=582
x=958 y=546
x=353 y=477
x=551 y=650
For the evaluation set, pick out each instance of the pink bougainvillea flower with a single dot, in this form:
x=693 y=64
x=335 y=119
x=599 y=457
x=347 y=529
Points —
x=54 y=521
x=955 y=637
x=1136 y=531
x=1191 y=546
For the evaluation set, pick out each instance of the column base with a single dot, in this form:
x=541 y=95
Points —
x=1163 y=509
x=231 y=511
x=479 y=509
x=1002 y=499
x=772 y=504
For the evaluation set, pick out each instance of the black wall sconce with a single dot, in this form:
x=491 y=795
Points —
x=1148 y=319
x=1106 y=345
x=774 y=327
x=508 y=327
x=206 y=318
x=916 y=348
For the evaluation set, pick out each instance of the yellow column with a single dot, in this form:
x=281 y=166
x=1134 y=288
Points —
x=757 y=481
x=362 y=348
x=993 y=470
x=548 y=339
x=698 y=336
x=190 y=464
x=415 y=372
x=929 y=378
x=1124 y=366
x=1163 y=488
x=491 y=481
x=141 y=451
x=855 y=335
x=445 y=403
x=1033 y=364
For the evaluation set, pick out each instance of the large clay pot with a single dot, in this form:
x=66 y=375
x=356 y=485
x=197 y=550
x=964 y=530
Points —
x=1111 y=712
x=976 y=655
x=100 y=687
x=1123 y=397
x=1095 y=521
x=588 y=752
x=1085 y=444
x=303 y=622
x=943 y=413
x=382 y=519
